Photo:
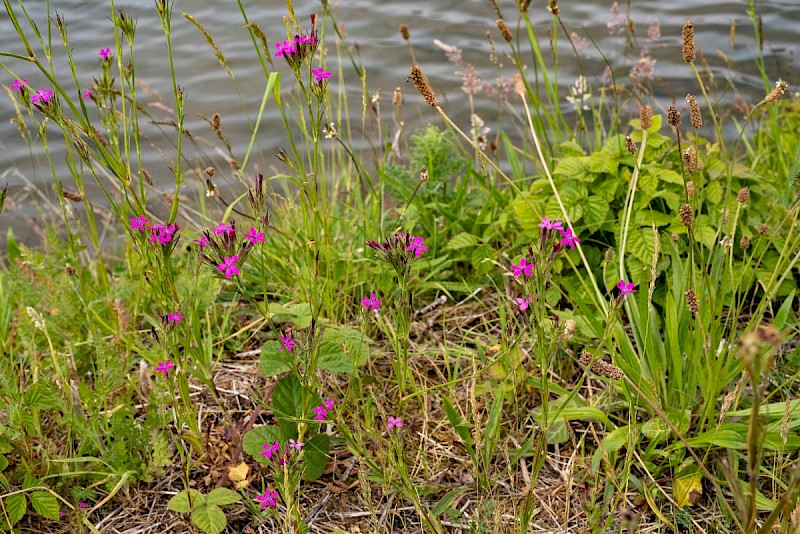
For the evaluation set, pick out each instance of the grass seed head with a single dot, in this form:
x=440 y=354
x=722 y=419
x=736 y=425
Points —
x=423 y=86
x=687 y=36
x=646 y=117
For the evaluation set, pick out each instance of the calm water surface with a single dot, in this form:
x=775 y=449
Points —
x=371 y=26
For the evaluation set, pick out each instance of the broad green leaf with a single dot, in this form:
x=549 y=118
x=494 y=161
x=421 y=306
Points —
x=45 y=504
x=648 y=184
x=595 y=213
x=655 y=429
x=315 y=456
x=462 y=240
x=353 y=343
x=688 y=488
x=287 y=402
x=253 y=443
x=604 y=162
x=666 y=175
x=184 y=501
x=222 y=496
x=572 y=203
x=724 y=438
x=299 y=314
x=16 y=505
x=209 y=518
x=557 y=433
x=272 y=358
x=713 y=192
x=527 y=210
x=572 y=167
x=640 y=244
x=40 y=397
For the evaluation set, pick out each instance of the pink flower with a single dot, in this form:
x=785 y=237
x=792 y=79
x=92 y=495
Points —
x=394 y=422
x=568 y=238
x=523 y=268
x=287 y=342
x=268 y=499
x=223 y=228
x=254 y=237
x=296 y=445
x=654 y=31
x=19 y=84
x=229 y=266
x=320 y=74
x=203 y=241
x=305 y=39
x=416 y=246
x=162 y=234
x=82 y=505
x=546 y=224
x=105 y=53
x=372 y=302
x=578 y=42
x=625 y=289
x=524 y=302
x=174 y=317
x=164 y=367
x=87 y=94
x=616 y=23
x=330 y=403
x=42 y=94
x=269 y=449
x=320 y=412
x=137 y=223
x=285 y=48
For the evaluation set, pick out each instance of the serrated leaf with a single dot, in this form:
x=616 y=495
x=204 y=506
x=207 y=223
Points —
x=648 y=184
x=595 y=213
x=287 y=402
x=271 y=361
x=640 y=244
x=526 y=207
x=16 y=505
x=253 y=443
x=343 y=349
x=572 y=167
x=462 y=240
x=316 y=456
x=573 y=205
x=40 y=397
x=45 y=504
x=222 y=496
x=666 y=175
x=209 y=518
x=299 y=314
x=713 y=192
x=185 y=500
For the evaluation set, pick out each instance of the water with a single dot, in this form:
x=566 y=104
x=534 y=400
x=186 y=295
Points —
x=373 y=28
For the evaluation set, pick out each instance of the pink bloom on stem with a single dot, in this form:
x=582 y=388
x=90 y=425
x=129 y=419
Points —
x=625 y=289
x=523 y=268
x=105 y=53
x=569 y=238
x=287 y=342
x=285 y=48
x=82 y=505
x=255 y=237
x=42 y=94
x=137 y=223
x=416 y=246
x=524 y=302
x=164 y=367
x=87 y=94
x=330 y=403
x=270 y=449
x=296 y=445
x=19 y=84
x=319 y=413
x=305 y=39
x=174 y=317
x=203 y=241
x=268 y=499
x=372 y=302
x=654 y=31
x=547 y=224
x=320 y=74
x=229 y=266
x=394 y=422
x=223 y=228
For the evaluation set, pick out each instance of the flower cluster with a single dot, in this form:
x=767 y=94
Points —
x=321 y=411
x=297 y=50
x=287 y=342
x=165 y=236
x=221 y=249
x=400 y=250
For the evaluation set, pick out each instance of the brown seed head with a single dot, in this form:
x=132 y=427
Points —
x=71 y=195
x=397 y=97
x=693 y=164
x=601 y=367
x=745 y=242
x=689 y=189
x=691 y=301
x=674 y=116
x=694 y=112
x=519 y=85
x=552 y=6
x=686 y=215
x=404 y=32
x=646 y=117
x=688 y=41
x=743 y=195
x=763 y=229
x=777 y=92
x=210 y=171
x=523 y=5
x=504 y=31
x=630 y=146
x=675 y=237
x=423 y=86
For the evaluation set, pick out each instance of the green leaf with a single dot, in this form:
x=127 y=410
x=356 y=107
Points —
x=461 y=428
x=254 y=440
x=45 y=504
x=299 y=314
x=287 y=403
x=343 y=349
x=595 y=213
x=3 y=463
x=315 y=456
x=572 y=167
x=666 y=175
x=655 y=429
x=16 y=505
x=209 y=518
x=183 y=503
x=40 y=397
x=222 y=496
x=462 y=240
x=713 y=192
x=271 y=361
x=445 y=502
x=648 y=184
x=527 y=209
x=688 y=488
x=640 y=244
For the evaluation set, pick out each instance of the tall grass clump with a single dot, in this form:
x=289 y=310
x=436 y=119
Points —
x=585 y=321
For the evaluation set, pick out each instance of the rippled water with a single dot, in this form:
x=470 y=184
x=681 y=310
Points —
x=372 y=27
